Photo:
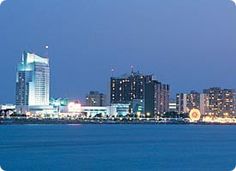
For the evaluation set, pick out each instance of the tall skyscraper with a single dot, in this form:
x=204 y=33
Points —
x=140 y=89
x=128 y=87
x=32 y=81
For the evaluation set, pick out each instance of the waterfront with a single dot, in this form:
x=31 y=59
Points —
x=117 y=147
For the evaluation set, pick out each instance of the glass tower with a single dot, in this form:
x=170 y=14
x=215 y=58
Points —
x=32 y=80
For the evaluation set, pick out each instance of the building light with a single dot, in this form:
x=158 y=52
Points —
x=74 y=107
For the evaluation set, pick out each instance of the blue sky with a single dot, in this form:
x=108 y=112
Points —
x=189 y=44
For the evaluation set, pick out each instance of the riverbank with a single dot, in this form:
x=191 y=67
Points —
x=25 y=121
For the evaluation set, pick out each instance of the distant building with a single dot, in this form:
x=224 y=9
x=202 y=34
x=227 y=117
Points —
x=93 y=111
x=185 y=102
x=181 y=103
x=59 y=102
x=32 y=84
x=145 y=95
x=219 y=102
x=94 y=98
x=213 y=101
x=120 y=109
x=116 y=110
x=137 y=107
x=172 y=106
x=128 y=87
x=156 y=98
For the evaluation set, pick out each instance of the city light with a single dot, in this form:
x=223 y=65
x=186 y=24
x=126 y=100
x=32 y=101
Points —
x=195 y=115
x=219 y=120
x=74 y=107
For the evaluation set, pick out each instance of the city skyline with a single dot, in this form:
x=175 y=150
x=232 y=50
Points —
x=121 y=85
x=188 y=58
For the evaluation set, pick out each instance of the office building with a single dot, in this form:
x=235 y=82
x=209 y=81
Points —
x=33 y=81
x=128 y=87
x=156 y=98
x=94 y=98
x=145 y=95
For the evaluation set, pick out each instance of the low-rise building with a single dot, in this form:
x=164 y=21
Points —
x=172 y=106
x=95 y=98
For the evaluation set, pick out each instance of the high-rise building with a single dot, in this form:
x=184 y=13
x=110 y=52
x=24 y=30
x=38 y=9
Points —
x=212 y=102
x=185 y=102
x=128 y=87
x=219 y=102
x=94 y=98
x=181 y=103
x=32 y=81
x=156 y=98
x=152 y=95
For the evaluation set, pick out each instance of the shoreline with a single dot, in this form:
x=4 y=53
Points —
x=24 y=121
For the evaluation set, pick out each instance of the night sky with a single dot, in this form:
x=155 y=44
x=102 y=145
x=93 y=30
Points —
x=189 y=44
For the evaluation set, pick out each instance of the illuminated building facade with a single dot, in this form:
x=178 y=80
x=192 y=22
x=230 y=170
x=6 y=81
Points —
x=116 y=110
x=219 y=102
x=129 y=87
x=185 y=102
x=93 y=111
x=32 y=81
x=94 y=98
x=152 y=95
x=59 y=102
x=172 y=105
x=212 y=102
x=156 y=98
x=119 y=109
x=137 y=107
x=181 y=103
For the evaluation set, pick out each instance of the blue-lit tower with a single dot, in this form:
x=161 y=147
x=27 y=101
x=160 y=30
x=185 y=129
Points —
x=33 y=80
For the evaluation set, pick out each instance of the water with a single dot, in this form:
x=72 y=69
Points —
x=117 y=147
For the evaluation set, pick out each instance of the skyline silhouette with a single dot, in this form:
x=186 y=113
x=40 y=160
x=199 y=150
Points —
x=189 y=45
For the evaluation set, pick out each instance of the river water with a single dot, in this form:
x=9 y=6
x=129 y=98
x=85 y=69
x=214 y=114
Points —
x=117 y=147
